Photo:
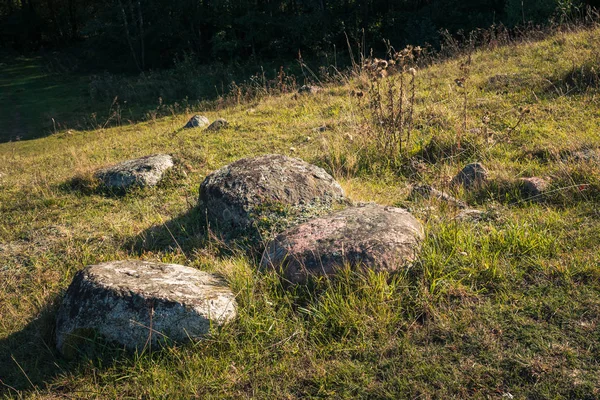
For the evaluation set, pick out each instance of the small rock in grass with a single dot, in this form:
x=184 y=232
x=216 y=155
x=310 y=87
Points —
x=585 y=155
x=145 y=171
x=470 y=214
x=137 y=303
x=427 y=191
x=197 y=121
x=368 y=236
x=533 y=188
x=218 y=125
x=309 y=89
x=471 y=176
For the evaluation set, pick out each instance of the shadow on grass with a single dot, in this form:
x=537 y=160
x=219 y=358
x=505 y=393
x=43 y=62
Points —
x=190 y=233
x=88 y=186
x=31 y=364
x=185 y=233
x=578 y=80
x=29 y=358
x=30 y=361
x=40 y=102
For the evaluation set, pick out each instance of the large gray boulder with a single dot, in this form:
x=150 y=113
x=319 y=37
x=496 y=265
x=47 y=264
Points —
x=137 y=303
x=367 y=236
x=140 y=172
x=235 y=196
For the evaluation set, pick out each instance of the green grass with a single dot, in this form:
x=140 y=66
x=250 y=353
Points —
x=510 y=304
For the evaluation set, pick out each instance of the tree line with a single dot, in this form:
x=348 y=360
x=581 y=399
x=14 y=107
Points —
x=145 y=34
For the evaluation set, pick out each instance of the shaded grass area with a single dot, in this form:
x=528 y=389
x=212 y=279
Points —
x=34 y=97
x=506 y=306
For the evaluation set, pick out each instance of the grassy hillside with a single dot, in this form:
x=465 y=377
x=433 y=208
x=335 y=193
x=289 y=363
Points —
x=506 y=306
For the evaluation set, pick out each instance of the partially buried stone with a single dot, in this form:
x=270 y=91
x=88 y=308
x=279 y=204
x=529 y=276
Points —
x=137 y=303
x=427 y=192
x=197 y=121
x=309 y=89
x=367 y=236
x=470 y=215
x=533 y=188
x=145 y=171
x=472 y=175
x=218 y=125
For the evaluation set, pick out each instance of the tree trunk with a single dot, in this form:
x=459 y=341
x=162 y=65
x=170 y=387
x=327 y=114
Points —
x=128 y=36
x=73 y=19
x=141 y=31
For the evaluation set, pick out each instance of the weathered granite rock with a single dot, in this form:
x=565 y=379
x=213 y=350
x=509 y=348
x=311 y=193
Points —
x=197 y=121
x=427 y=192
x=231 y=196
x=135 y=303
x=472 y=175
x=218 y=125
x=365 y=236
x=145 y=171
x=534 y=187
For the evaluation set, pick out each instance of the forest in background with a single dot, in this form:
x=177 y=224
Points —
x=135 y=35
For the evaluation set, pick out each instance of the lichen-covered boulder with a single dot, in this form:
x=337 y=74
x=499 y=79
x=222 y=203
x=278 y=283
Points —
x=197 y=121
x=365 y=236
x=471 y=176
x=237 y=196
x=140 y=172
x=138 y=303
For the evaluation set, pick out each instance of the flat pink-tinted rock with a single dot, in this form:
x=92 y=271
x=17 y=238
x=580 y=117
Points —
x=367 y=236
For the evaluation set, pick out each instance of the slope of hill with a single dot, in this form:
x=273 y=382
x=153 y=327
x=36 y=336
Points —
x=506 y=306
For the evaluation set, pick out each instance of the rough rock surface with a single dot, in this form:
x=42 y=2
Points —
x=533 y=187
x=230 y=195
x=197 y=121
x=427 y=192
x=218 y=124
x=135 y=302
x=472 y=175
x=369 y=236
x=145 y=171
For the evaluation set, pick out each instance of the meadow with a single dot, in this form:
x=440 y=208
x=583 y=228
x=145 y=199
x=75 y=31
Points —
x=507 y=306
